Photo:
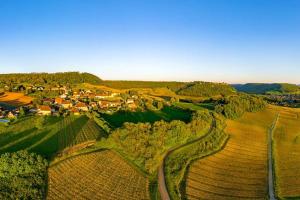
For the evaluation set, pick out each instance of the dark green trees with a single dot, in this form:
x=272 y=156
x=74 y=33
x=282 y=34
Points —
x=146 y=143
x=235 y=106
x=22 y=176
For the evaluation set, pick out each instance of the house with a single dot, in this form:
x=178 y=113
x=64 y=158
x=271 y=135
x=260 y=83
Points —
x=11 y=115
x=63 y=96
x=93 y=104
x=115 y=94
x=81 y=106
x=40 y=88
x=102 y=95
x=58 y=100
x=44 y=110
x=103 y=104
x=47 y=101
x=132 y=106
x=75 y=111
x=130 y=101
x=115 y=103
x=66 y=104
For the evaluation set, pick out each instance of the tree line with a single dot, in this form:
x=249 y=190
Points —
x=235 y=106
x=206 y=89
x=47 y=78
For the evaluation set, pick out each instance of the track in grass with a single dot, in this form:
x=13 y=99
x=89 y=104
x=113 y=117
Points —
x=99 y=175
x=287 y=153
x=240 y=170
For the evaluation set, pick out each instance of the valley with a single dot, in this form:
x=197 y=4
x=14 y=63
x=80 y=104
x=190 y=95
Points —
x=166 y=146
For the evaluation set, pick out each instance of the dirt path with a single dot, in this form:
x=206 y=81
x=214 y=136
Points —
x=272 y=195
x=162 y=186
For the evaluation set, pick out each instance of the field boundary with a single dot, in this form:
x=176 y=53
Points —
x=162 y=186
x=271 y=166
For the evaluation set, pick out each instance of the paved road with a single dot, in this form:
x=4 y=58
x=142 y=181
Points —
x=270 y=160
x=162 y=186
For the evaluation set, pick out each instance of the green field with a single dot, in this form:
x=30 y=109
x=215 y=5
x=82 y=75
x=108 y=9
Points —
x=57 y=134
x=195 y=106
x=167 y=113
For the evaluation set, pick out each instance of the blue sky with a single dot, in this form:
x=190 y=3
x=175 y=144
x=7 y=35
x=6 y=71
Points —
x=213 y=40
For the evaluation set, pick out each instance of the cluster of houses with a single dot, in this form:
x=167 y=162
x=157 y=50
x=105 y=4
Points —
x=288 y=100
x=83 y=101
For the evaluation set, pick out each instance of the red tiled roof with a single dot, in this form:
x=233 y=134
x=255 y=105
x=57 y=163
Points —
x=44 y=108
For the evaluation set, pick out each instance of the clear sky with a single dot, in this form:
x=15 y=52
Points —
x=213 y=40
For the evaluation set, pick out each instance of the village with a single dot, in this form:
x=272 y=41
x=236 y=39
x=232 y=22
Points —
x=72 y=103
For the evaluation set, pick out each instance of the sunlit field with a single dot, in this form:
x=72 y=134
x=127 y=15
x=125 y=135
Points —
x=15 y=99
x=99 y=175
x=287 y=153
x=239 y=171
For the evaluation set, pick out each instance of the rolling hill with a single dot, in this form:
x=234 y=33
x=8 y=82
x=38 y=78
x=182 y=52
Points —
x=267 y=88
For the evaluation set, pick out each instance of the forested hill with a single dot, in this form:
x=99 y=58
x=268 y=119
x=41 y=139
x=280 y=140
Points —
x=206 y=89
x=196 y=89
x=267 y=88
x=49 y=78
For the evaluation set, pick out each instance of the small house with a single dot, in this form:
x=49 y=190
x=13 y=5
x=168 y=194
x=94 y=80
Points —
x=81 y=106
x=66 y=104
x=44 y=110
x=75 y=111
x=58 y=100
x=103 y=104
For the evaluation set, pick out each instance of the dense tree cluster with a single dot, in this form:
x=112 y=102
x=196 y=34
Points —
x=48 y=78
x=206 y=89
x=22 y=176
x=235 y=106
x=267 y=88
x=146 y=143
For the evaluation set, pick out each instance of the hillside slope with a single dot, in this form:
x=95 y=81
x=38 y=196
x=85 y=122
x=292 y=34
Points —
x=265 y=88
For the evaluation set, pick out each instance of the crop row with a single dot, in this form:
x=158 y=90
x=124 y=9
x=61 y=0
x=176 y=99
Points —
x=239 y=171
x=101 y=175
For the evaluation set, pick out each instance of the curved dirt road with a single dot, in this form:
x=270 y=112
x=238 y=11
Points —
x=162 y=186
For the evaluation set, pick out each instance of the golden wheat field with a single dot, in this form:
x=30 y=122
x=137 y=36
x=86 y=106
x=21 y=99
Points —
x=15 y=99
x=287 y=153
x=99 y=175
x=239 y=171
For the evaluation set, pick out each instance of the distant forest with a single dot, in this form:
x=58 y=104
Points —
x=206 y=89
x=48 y=78
x=196 y=89
x=267 y=88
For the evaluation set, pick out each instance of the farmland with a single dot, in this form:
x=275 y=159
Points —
x=287 y=153
x=239 y=171
x=99 y=175
x=15 y=99
x=57 y=134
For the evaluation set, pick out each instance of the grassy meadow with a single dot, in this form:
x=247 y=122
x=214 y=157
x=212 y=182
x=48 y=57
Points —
x=287 y=153
x=167 y=113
